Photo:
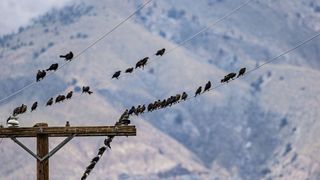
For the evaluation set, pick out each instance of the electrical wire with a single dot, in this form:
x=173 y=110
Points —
x=80 y=53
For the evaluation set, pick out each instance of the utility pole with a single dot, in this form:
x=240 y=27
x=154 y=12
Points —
x=42 y=132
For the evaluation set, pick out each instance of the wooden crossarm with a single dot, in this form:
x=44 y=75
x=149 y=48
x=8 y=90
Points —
x=67 y=131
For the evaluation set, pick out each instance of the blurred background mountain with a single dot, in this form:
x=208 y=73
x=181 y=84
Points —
x=264 y=126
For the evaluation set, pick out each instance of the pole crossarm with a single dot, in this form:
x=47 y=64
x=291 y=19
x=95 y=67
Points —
x=79 y=131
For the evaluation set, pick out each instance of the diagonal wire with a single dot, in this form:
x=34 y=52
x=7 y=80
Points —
x=81 y=52
x=205 y=28
x=258 y=67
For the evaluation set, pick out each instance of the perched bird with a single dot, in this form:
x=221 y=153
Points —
x=184 y=96
x=116 y=75
x=207 y=87
x=67 y=124
x=137 y=110
x=60 y=98
x=129 y=70
x=67 y=57
x=53 y=67
x=160 y=52
x=69 y=95
x=95 y=159
x=86 y=89
x=231 y=75
x=198 y=91
x=91 y=166
x=225 y=79
x=125 y=115
x=132 y=110
x=143 y=108
x=241 y=72
x=50 y=102
x=108 y=141
x=41 y=75
x=177 y=97
x=20 y=110
x=34 y=106
x=101 y=150
x=142 y=62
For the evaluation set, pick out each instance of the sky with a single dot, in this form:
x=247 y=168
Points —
x=16 y=13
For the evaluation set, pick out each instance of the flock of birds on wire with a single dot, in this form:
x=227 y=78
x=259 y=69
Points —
x=41 y=74
x=134 y=110
x=140 y=64
x=159 y=104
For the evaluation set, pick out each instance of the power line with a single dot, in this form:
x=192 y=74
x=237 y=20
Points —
x=256 y=68
x=206 y=28
x=81 y=52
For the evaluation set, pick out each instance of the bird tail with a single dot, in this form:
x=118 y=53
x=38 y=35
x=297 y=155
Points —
x=90 y=92
x=62 y=56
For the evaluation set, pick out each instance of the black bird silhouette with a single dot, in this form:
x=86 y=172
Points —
x=116 y=75
x=69 y=95
x=53 y=67
x=34 y=106
x=160 y=52
x=50 y=102
x=41 y=74
x=19 y=110
x=95 y=159
x=129 y=70
x=101 y=150
x=91 y=166
x=142 y=62
x=184 y=96
x=198 y=91
x=108 y=141
x=241 y=72
x=207 y=87
x=231 y=75
x=225 y=79
x=67 y=57
x=86 y=89
x=132 y=110
x=60 y=98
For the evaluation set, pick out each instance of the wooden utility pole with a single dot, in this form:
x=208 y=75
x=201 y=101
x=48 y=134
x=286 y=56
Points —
x=42 y=132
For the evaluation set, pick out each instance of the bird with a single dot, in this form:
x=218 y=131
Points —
x=184 y=96
x=91 y=166
x=198 y=91
x=60 y=98
x=207 y=87
x=116 y=75
x=23 y=109
x=132 y=110
x=129 y=70
x=241 y=72
x=50 y=102
x=41 y=74
x=86 y=89
x=142 y=62
x=34 y=106
x=67 y=57
x=67 y=124
x=125 y=115
x=95 y=159
x=101 y=150
x=231 y=75
x=16 y=111
x=69 y=95
x=53 y=67
x=225 y=79
x=108 y=141
x=160 y=52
